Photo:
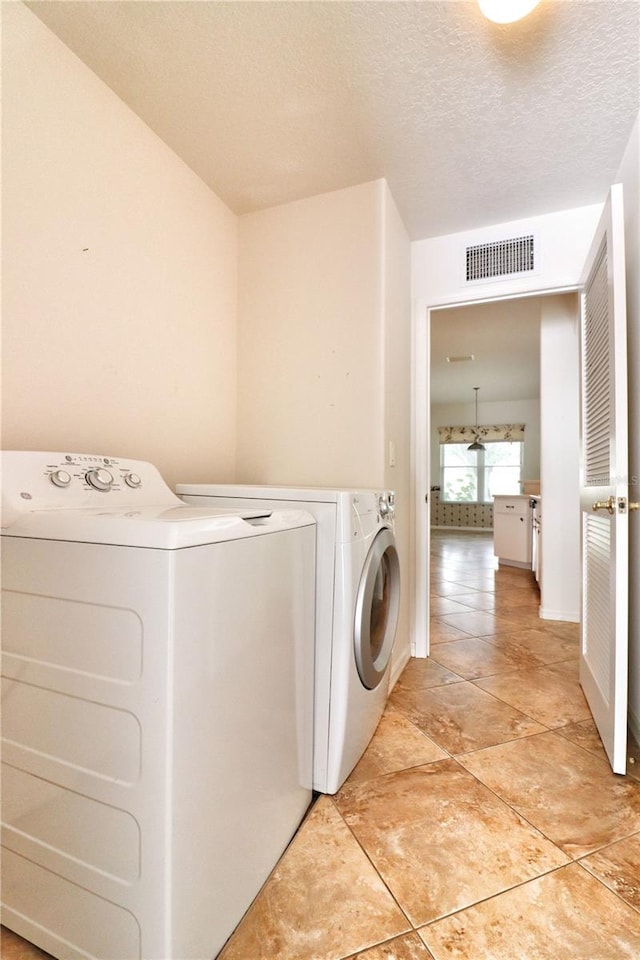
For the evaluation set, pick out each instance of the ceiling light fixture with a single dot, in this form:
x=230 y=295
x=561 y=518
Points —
x=506 y=11
x=476 y=445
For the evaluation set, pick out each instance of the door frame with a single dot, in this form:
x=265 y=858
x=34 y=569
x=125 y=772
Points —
x=421 y=479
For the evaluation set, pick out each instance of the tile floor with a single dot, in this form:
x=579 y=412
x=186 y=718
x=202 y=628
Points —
x=482 y=823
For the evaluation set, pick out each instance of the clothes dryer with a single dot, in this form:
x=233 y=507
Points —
x=357 y=605
x=157 y=707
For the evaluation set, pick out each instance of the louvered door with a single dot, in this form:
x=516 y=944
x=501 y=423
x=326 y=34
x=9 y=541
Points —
x=604 y=484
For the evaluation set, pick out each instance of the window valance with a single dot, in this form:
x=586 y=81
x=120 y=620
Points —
x=487 y=433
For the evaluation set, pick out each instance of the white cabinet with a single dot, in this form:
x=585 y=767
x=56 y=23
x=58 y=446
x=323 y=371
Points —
x=512 y=530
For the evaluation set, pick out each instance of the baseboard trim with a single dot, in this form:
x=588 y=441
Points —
x=569 y=616
x=514 y=563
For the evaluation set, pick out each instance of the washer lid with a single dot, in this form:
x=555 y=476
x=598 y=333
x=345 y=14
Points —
x=161 y=527
x=264 y=492
x=358 y=511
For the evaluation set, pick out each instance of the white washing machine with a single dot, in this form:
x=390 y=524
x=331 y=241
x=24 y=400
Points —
x=357 y=604
x=157 y=699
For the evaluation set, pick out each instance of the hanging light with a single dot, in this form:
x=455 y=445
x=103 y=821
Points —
x=476 y=445
x=506 y=11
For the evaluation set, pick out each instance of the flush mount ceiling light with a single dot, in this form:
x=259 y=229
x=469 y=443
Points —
x=476 y=445
x=506 y=11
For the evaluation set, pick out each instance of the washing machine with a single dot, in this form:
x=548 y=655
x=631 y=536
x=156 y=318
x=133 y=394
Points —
x=357 y=605
x=157 y=707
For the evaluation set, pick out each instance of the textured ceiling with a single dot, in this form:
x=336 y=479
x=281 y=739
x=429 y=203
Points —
x=470 y=123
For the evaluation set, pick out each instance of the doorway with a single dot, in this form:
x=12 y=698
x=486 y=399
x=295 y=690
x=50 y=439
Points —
x=485 y=361
x=558 y=314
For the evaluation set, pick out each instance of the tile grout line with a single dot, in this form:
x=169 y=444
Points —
x=555 y=730
x=547 y=730
x=382 y=879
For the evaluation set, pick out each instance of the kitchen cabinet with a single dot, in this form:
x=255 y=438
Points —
x=512 y=530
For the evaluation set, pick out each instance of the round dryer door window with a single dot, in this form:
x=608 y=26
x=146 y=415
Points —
x=377 y=606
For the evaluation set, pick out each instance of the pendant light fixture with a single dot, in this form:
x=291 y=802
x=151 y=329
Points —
x=506 y=11
x=476 y=445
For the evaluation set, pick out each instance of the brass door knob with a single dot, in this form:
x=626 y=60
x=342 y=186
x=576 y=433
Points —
x=608 y=505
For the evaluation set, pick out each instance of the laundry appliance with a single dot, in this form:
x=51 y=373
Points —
x=157 y=707
x=357 y=605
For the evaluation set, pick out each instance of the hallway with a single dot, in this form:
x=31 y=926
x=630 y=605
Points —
x=483 y=822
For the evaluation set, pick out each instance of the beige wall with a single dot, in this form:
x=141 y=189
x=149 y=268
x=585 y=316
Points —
x=397 y=401
x=310 y=402
x=119 y=275
x=324 y=350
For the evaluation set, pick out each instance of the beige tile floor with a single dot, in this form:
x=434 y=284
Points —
x=482 y=823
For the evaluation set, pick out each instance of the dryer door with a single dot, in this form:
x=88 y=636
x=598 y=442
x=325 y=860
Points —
x=377 y=606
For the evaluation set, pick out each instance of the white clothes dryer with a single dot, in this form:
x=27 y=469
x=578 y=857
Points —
x=357 y=605
x=157 y=707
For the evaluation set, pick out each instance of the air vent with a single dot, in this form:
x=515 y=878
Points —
x=503 y=258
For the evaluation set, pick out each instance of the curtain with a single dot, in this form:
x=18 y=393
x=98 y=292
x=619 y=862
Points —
x=485 y=432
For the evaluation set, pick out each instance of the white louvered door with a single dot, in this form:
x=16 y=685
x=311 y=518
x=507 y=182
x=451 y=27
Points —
x=604 y=483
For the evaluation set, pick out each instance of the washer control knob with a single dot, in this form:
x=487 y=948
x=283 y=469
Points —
x=100 y=479
x=61 y=478
x=133 y=480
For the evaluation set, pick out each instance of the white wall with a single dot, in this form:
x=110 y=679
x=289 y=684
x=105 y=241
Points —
x=560 y=458
x=629 y=176
x=565 y=240
x=119 y=275
x=493 y=411
x=563 y=244
x=437 y=276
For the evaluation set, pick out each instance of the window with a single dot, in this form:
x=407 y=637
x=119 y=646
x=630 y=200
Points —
x=476 y=476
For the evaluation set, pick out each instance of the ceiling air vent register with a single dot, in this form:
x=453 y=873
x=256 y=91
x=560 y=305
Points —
x=501 y=259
